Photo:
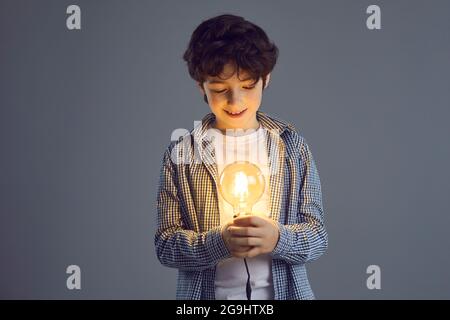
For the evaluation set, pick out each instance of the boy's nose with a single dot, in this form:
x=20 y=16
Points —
x=234 y=101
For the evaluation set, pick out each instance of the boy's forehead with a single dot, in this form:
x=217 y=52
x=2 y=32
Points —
x=229 y=74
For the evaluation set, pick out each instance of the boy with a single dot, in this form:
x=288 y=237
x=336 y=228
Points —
x=231 y=60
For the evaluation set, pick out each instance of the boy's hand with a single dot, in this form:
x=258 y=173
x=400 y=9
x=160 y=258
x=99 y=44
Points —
x=250 y=236
x=230 y=243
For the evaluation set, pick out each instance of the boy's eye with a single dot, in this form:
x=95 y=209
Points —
x=223 y=90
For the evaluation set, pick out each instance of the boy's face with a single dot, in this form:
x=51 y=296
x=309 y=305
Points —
x=234 y=101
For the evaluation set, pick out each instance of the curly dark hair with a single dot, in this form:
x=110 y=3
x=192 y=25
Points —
x=229 y=38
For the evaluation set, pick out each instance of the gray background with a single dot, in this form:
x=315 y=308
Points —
x=86 y=115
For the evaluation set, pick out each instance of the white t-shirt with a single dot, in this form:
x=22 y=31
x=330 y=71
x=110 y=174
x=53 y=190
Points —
x=231 y=275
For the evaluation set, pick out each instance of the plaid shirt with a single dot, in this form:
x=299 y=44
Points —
x=189 y=232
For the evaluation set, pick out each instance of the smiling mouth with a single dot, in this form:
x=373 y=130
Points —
x=236 y=114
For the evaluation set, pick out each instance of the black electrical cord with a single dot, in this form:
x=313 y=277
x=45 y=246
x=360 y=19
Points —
x=248 y=288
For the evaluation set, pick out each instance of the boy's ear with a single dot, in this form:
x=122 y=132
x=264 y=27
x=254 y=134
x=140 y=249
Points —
x=267 y=80
x=200 y=86
x=202 y=91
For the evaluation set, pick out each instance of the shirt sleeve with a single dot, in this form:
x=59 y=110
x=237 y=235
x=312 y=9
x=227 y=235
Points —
x=307 y=240
x=176 y=246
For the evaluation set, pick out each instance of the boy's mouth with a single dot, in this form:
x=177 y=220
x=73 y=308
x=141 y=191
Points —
x=235 y=114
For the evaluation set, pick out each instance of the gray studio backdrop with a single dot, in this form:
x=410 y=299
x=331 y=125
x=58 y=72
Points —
x=86 y=115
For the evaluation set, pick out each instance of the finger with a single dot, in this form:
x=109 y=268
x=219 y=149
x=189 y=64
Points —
x=238 y=254
x=241 y=248
x=226 y=226
x=245 y=241
x=247 y=221
x=253 y=252
x=247 y=254
x=245 y=232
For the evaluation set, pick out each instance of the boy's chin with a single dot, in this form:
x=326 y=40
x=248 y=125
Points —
x=230 y=122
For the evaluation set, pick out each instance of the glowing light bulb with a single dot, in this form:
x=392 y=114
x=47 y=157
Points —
x=241 y=184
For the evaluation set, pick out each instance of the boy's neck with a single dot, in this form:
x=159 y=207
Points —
x=236 y=130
